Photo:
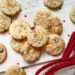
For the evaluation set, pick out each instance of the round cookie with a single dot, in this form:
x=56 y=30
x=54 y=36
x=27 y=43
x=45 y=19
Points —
x=15 y=70
x=3 y=53
x=55 y=45
x=41 y=16
x=29 y=53
x=18 y=29
x=53 y=3
x=72 y=14
x=5 y=22
x=37 y=37
x=55 y=24
x=17 y=44
x=10 y=7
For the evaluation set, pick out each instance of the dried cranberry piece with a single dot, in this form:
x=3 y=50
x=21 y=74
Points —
x=32 y=28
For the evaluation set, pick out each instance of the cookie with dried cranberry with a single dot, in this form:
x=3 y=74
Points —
x=3 y=53
x=17 y=44
x=37 y=37
x=72 y=14
x=15 y=70
x=55 y=45
x=41 y=16
x=56 y=26
x=10 y=7
x=18 y=29
x=29 y=53
x=5 y=22
x=53 y=3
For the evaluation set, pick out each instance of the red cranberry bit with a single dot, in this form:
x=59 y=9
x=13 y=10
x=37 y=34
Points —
x=25 y=16
x=32 y=28
x=68 y=35
x=18 y=63
x=64 y=21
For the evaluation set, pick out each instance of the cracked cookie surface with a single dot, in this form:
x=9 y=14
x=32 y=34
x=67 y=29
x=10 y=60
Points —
x=17 y=44
x=10 y=7
x=29 y=53
x=55 y=45
x=37 y=37
x=18 y=29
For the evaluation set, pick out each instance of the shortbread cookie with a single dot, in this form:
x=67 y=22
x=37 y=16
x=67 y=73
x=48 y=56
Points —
x=41 y=16
x=3 y=53
x=53 y=3
x=29 y=53
x=15 y=70
x=72 y=14
x=37 y=37
x=10 y=7
x=55 y=24
x=55 y=45
x=18 y=29
x=17 y=44
x=5 y=22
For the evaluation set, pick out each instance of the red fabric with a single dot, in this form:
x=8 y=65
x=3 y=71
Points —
x=64 y=61
x=65 y=64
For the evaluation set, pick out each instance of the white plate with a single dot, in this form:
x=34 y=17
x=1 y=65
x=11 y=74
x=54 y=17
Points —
x=32 y=7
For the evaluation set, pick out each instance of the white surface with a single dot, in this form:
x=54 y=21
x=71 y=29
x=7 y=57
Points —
x=29 y=7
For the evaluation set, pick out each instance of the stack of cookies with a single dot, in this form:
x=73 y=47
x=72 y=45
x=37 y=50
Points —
x=53 y=25
x=29 y=41
x=26 y=41
x=45 y=34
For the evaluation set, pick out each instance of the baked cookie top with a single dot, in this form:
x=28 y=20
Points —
x=53 y=3
x=37 y=37
x=29 y=53
x=18 y=29
x=55 y=45
x=41 y=16
x=17 y=44
x=10 y=7
x=15 y=70
x=55 y=24
x=5 y=22
x=72 y=14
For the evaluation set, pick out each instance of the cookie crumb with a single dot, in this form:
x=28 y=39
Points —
x=25 y=16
